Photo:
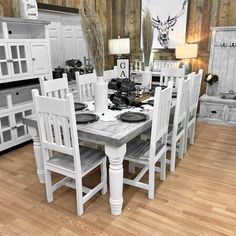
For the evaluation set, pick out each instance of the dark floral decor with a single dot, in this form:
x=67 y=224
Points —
x=211 y=78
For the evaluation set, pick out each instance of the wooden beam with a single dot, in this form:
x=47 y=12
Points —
x=58 y=8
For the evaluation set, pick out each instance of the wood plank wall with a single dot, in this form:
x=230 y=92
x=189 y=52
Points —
x=122 y=17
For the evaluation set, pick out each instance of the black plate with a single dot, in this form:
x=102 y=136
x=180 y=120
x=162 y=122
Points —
x=84 y=118
x=133 y=117
x=150 y=102
x=80 y=106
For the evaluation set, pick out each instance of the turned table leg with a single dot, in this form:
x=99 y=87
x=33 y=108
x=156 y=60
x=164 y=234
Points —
x=116 y=156
x=37 y=153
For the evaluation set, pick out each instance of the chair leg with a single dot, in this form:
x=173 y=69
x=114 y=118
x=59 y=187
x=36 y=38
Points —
x=172 y=156
x=79 y=196
x=192 y=133
x=151 y=181
x=48 y=184
x=131 y=167
x=186 y=139
x=163 y=167
x=104 y=176
x=181 y=147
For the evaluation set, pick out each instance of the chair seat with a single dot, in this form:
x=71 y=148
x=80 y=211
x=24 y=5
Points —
x=89 y=158
x=139 y=149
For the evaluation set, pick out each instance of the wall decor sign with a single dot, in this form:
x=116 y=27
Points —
x=169 y=19
x=123 y=68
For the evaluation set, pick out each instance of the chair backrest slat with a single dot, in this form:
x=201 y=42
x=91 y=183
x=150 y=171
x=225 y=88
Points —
x=85 y=84
x=195 y=91
x=182 y=101
x=161 y=113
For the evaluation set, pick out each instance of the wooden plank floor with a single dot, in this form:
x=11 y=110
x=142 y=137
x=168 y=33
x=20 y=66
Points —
x=198 y=199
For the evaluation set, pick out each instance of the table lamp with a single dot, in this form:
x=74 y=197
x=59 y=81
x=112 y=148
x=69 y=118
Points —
x=119 y=47
x=186 y=51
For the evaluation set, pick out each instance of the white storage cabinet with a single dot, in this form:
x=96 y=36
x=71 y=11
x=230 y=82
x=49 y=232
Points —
x=24 y=57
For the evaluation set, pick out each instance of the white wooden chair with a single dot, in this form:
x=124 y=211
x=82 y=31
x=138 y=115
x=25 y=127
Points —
x=57 y=88
x=58 y=134
x=109 y=74
x=177 y=129
x=171 y=74
x=85 y=84
x=146 y=152
x=192 y=108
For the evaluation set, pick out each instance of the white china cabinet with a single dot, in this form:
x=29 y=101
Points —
x=24 y=56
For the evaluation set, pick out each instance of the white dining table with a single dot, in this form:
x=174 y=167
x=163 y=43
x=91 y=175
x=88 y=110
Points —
x=114 y=135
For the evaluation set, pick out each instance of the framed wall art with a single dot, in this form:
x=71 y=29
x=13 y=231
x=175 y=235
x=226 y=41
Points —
x=169 y=18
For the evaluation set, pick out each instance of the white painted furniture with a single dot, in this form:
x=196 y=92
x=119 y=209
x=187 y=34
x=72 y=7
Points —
x=66 y=37
x=58 y=134
x=113 y=135
x=24 y=57
x=15 y=104
x=24 y=49
x=85 y=85
x=192 y=108
x=57 y=88
x=171 y=74
x=223 y=57
x=177 y=129
x=222 y=62
x=148 y=153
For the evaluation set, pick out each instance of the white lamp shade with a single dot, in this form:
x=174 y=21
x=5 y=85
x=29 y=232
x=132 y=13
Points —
x=185 y=51
x=119 y=46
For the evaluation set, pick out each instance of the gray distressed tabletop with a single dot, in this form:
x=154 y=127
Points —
x=114 y=133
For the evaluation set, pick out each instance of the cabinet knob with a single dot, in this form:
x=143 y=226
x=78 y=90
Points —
x=33 y=58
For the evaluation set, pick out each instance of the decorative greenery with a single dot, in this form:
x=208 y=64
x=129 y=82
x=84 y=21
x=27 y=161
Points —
x=93 y=33
x=147 y=34
x=211 y=78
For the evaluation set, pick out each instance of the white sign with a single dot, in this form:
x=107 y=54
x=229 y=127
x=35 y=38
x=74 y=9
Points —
x=123 y=68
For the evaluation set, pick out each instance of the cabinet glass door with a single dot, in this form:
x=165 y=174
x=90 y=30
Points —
x=20 y=128
x=4 y=62
x=6 y=130
x=19 y=59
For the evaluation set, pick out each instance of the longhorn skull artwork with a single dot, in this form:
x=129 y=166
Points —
x=164 y=27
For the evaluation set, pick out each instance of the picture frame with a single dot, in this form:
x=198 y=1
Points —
x=123 y=68
x=169 y=18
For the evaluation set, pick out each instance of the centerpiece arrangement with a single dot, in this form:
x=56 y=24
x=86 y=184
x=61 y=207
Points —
x=93 y=32
x=147 y=35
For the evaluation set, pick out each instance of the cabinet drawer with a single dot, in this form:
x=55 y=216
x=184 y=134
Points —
x=214 y=111
x=22 y=95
